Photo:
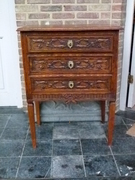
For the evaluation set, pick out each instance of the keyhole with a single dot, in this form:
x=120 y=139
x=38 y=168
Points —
x=70 y=64
x=70 y=43
x=71 y=84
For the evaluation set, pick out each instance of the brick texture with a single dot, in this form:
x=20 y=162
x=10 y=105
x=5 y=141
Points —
x=62 y=1
x=104 y=12
x=19 y=1
x=88 y=1
x=51 y=8
x=75 y=8
x=63 y=15
x=38 y=16
x=101 y=7
x=38 y=1
x=26 y=8
x=105 y=15
x=89 y=15
x=106 y=1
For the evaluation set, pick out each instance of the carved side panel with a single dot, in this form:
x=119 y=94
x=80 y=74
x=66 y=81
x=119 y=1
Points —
x=62 y=43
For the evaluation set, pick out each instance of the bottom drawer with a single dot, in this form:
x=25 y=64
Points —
x=57 y=85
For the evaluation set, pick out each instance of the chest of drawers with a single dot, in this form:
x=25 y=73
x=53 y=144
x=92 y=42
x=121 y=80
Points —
x=70 y=63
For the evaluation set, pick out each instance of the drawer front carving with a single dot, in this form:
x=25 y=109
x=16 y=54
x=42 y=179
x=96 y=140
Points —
x=70 y=97
x=69 y=44
x=50 y=85
x=50 y=64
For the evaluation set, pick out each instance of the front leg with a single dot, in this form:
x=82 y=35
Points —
x=111 y=122
x=37 y=108
x=32 y=123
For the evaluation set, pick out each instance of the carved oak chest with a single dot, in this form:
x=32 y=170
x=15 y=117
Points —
x=70 y=63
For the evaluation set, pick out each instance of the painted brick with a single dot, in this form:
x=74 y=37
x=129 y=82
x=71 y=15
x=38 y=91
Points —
x=21 y=65
x=63 y=15
x=22 y=77
x=19 y=1
x=19 y=44
x=25 y=104
x=20 y=16
x=22 y=71
x=76 y=22
x=88 y=15
x=105 y=15
x=106 y=1
x=117 y=7
x=23 y=23
x=51 y=22
x=38 y=1
x=118 y=1
x=116 y=15
x=103 y=7
x=26 y=8
x=119 y=72
x=20 y=52
x=87 y=1
x=62 y=1
x=18 y=36
x=51 y=8
x=75 y=8
x=122 y=23
x=23 y=96
x=98 y=22
x=120 y=43
x=39 y=16
x=116 y=22
x=20 y=59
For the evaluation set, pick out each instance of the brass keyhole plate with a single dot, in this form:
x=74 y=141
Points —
x=70 y=43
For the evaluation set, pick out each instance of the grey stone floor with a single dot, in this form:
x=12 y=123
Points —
x=75 y=150
x=59 y=111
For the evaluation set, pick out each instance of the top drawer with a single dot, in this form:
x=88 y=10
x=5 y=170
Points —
x=70 y=43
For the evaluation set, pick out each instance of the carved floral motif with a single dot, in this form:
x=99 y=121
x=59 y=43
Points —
x=83 y=84
x=53 y=43
x=94 y=65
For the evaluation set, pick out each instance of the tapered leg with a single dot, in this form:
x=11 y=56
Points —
x=111 y=122
x=37 y=108
x=32 y=123
x=102 y=111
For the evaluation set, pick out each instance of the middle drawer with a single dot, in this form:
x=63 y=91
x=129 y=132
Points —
x=69 y=64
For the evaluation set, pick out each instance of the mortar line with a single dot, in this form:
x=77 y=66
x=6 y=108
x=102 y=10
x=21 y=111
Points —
x=82 y=158
x=51 y=173
x=115 y=161
x=5 y=125
x=22 y=153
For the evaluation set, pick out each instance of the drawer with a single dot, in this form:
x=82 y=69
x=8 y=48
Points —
x=70 y=64
x=70 y=43
x=75 y=84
